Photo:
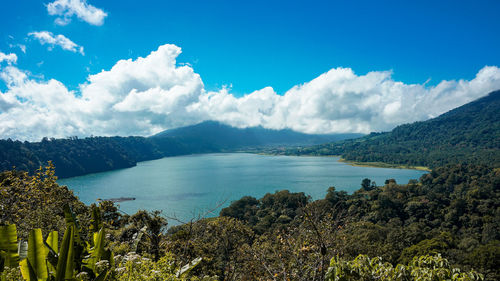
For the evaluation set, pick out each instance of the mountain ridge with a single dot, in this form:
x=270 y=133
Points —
x=75 y=157
x=222 y=137
x=467 y=134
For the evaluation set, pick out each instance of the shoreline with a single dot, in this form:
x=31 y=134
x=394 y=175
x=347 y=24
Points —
x=354 y=163
x=383 y=165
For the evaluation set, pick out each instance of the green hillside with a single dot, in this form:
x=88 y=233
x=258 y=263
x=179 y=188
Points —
x=75 y=156
x=467 y=134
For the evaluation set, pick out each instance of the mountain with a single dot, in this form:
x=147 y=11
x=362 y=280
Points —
x=75 y=157
x=467 y=134
x=212 y=136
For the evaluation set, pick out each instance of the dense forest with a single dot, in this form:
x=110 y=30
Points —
x=453 y=210
x=423 y=230
x=467 y=134
x=74 y=156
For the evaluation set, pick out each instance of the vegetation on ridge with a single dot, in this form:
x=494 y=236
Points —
x=468 y=134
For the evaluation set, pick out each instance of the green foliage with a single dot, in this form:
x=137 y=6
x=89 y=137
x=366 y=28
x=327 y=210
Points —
x=145 y=230
x=36 y=201
x=11 y=273
x=438 y=244
x=137 y=268
x=486 y=258
x=45 y=261
x=99 y=265
x=9 y=256
x=269 y=212
x=220 y=241
x=428 y=268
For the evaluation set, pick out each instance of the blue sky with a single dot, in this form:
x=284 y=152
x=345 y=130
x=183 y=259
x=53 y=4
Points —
x=254 y=44
x=249 y=45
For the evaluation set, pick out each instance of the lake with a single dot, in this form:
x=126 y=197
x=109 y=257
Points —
x=189 y=186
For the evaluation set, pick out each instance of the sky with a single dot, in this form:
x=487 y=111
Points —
x=81 y=68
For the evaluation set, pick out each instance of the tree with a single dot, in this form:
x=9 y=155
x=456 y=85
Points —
x=153 y=225
x=366 y=184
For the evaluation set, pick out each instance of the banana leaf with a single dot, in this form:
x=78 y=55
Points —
x=27 y=271
x=97 y=251
x=65 y=264
x=37 y=253
x=79 y=246
x=8 y=245
x=52 y=256
x=70 y=218
x=34 y=267
x=52 y=241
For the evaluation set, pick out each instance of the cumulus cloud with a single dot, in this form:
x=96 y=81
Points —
x=154 y=93
x=46 y=37
x=9 y=58
x=66 y=9
x=341 y=101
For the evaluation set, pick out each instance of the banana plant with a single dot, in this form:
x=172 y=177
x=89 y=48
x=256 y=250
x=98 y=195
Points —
x=43 y=262
x=46 y=261
x=98 y=253
x=88 y=254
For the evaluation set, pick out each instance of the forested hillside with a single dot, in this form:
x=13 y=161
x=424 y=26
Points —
x=468 y=134
x=74 y=156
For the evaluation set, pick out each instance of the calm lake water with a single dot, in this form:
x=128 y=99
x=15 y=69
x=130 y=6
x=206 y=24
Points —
x=189 y=186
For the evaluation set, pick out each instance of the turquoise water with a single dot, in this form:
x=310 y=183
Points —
x=189 y=186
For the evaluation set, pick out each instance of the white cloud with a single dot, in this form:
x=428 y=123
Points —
x=66 y=9
x=46 y=37
x=150 y=94
x=20 y=46
x=9 y=58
